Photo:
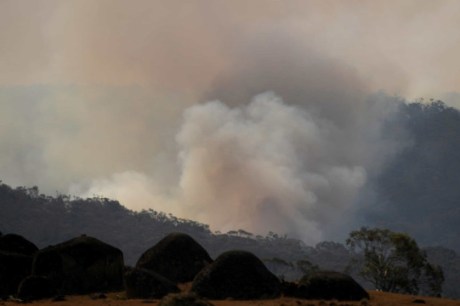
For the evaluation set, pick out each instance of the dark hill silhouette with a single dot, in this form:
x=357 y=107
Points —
x=47 y=220
x=421 y=182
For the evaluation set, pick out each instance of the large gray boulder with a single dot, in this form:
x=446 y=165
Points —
x=34 y=288
x=329 y=285
x=237 y=275
x=12 y=243
x=81 y=265
x=141 y=283
x=13 y=268
x=15 y=262
x=178 y=257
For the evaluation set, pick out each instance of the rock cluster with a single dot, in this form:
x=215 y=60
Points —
x=87 y=265
x=81 y=265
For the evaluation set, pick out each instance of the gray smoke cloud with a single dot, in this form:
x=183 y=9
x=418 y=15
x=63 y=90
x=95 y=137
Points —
x=256 y=115
x=283 y=141
x=264 y=165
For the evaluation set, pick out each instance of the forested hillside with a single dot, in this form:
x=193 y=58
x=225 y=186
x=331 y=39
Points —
x=417 y=192
x=47 y=220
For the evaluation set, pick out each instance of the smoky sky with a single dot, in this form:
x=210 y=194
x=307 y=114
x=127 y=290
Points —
x=263 y=115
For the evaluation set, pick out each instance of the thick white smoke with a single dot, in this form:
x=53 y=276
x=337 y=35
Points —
x=255 y=167
x=260 y=166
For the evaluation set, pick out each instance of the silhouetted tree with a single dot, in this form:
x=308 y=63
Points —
x=393 y=262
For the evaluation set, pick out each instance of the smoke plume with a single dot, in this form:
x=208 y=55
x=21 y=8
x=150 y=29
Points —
x=259 y=115
x=260 y=166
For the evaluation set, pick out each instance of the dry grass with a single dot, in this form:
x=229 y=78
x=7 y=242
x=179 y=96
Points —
x=377 y=299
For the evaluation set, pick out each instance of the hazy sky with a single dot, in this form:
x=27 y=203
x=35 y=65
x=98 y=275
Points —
x=404 y=47
x=230 y=112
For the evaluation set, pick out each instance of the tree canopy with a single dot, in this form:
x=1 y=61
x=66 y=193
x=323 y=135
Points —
x=421 y=180
x=393 y=262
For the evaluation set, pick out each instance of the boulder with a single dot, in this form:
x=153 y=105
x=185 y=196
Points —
x=328 y=285
x=34 y=288
x=290 y=289
x=178 y=257
x=237 y=275
x=141 y=283
x=81 y=265
x=13 y=269
x=12 y=243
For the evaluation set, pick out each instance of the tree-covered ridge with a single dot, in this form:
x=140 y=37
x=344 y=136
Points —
x=417 y=192
x=47 y=220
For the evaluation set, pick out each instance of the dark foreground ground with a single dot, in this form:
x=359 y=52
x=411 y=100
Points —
x=377 y=299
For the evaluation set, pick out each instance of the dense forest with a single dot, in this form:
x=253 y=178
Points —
x=416 y=193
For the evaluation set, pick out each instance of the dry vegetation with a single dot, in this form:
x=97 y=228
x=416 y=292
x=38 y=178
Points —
x=377 y=299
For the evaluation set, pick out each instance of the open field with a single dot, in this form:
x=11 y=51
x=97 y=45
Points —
x=377 y=299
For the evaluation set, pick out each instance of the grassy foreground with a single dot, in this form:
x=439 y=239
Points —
x=377 y=299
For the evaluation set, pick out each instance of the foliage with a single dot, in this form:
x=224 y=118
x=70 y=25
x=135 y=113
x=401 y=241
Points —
x=449 y=260
x=421 y=180
x=48 y=220
x=393 y=262
x=306 y=267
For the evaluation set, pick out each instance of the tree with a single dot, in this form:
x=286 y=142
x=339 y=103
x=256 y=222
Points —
x=306 y=267
x=393 y=262
x=432 y=279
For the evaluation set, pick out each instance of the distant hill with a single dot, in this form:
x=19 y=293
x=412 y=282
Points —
x=418 y=191
x=48 y=220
